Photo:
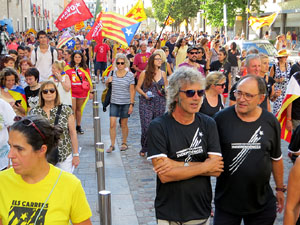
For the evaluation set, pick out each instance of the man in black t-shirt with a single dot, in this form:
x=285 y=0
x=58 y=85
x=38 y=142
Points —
x=185 y=151
x=171 y=45
x=250 y=143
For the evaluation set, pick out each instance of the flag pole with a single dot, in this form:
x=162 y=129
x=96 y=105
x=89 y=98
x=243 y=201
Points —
x=164 y=24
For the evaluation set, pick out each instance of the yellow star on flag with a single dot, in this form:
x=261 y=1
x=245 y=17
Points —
x=137 y=12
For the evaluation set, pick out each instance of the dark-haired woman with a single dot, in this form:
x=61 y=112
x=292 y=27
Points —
x=152 y=103
x=223 y=66
x=233 y=57
x=32 y=76
x=7 y=61
x=39 y=193
x=81 y=85
x=180 y=51
x=49 y=104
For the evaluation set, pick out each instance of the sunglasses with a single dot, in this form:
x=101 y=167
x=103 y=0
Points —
x=221 y=85
x=118 y=63
x=200 y=52
x=28 y=123
x=191 y=93
x=45 y=91
x=193 y=53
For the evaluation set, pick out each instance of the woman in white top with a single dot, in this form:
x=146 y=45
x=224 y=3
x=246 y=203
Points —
x=62 y=82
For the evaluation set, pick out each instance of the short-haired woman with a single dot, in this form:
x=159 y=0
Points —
x=24 y=65
x=122 y=99
x=32 y=90
x=49 y=107
x=151 y=85
x=33 y=190
x=212 y=101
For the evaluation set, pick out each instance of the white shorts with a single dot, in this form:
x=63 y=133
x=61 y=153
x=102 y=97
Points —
x=66 y=165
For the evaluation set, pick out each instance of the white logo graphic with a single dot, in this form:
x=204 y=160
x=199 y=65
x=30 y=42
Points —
x=128 y=32
x=246 y=149
x=70 y=10
x=195 y=147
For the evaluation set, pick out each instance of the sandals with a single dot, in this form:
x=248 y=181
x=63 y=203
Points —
x=124 y=147
x=110 y=149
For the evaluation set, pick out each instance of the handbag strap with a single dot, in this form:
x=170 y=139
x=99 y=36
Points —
x=47 y=198
x=80 y=78
x=57 y=114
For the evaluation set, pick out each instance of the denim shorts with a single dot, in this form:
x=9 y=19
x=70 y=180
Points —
x=119 y=110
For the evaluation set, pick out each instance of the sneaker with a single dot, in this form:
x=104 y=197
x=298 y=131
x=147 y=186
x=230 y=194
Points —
x=79 y=130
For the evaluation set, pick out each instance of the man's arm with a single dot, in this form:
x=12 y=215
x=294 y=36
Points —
x=292 y=207
x=277 y=169
x=169 y=170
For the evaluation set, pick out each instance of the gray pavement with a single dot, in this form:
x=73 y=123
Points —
x=129 y=177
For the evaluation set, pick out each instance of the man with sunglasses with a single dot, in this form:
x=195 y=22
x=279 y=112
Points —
x=250 y=143
x=191 y=61
x=184 y=148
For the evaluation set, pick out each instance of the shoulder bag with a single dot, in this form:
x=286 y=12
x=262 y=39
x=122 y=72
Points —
x=84 y=84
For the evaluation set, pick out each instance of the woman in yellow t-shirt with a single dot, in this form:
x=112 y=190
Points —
x=39 y=193
x=180 y=51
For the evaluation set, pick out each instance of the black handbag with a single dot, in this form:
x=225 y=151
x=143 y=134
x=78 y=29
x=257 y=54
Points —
x=52 y=157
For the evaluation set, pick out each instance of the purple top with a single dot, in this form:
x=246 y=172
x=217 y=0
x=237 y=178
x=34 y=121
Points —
x=200 y=69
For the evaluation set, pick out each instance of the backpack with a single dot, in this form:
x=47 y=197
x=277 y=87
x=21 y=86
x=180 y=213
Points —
x=51 y=49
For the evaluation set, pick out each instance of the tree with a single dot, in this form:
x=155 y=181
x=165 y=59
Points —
x=149 y=12
x=98 y=8
x=179 y=10
x=213 y=11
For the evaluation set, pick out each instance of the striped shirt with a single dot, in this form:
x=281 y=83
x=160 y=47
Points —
x=120 y=93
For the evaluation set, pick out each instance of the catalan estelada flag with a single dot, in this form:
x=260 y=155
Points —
x=292 y=93
x=107 y=71
x=48 y=27
x=257 y=23
x=64 y=39
x=137 y=12
x=79 y=26
x=18 y=93
x=169 y=21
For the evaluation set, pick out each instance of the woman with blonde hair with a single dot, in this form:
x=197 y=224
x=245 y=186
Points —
x=62 y=82
x=212 y=101
x=165 y=66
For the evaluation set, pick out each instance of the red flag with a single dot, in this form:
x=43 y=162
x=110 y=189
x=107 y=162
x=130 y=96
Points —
x=75 y=12
x=95 y=32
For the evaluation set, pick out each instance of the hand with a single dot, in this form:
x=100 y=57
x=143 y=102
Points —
x=278 y=93
x=214 y=164
x=146 y=97
x=91 y=96
x=280 y=201
x=289 y=125
x=165 y=165
x=75 y=161
x=130 y=110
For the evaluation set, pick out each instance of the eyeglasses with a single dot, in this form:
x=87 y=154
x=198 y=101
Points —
x=221 y=85
x=118 y=63
x=200 y=52
x=158 y=59
x=45 y=91
x=193 y=53
x=191 y=93
x=28 y=123
x=247 y=96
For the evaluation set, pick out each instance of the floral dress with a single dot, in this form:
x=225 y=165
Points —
x=280 y=86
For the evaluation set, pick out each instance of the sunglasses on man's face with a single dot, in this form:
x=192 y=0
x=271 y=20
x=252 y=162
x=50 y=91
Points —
x=45 y=91
x=193 y=53
x=122 y=63
x=191 y=93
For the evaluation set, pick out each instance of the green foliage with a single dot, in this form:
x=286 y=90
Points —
x=180 y=10
x=213 y=10
x=149 y=12
x=98 y=8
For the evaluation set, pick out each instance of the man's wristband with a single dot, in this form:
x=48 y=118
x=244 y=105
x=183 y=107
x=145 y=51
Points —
x=280 y=189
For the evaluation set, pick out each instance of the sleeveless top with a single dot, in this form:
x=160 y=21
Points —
x=65 y=97
x=207 y=109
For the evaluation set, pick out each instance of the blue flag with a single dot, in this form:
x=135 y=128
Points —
x=71 y=44
x=130 y=31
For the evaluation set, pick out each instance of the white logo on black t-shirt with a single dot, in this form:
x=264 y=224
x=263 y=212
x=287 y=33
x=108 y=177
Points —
x=245 y=149
x=195 y=147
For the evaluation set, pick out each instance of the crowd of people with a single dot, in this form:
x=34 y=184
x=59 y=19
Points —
x=44 y=90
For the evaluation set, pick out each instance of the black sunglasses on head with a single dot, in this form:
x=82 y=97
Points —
x=191 y=93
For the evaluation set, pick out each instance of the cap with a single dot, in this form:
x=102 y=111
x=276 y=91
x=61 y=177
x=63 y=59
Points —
x=173 y=35
x=190 y=48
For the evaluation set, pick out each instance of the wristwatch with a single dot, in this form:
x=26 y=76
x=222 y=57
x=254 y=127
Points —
x=132 y=104
x=281 y=189
x=186 y=164
x=75 y=154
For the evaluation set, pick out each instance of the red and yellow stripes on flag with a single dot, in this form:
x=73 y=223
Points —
x=79 y=26
x=169 y=21
x=292 y=93
x=107 y=71
x=257 y=23
x=137 y=12
x=62 y=42
x=19 y=94
x=112 y=25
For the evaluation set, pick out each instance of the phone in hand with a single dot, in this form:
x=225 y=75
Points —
x=18 y=102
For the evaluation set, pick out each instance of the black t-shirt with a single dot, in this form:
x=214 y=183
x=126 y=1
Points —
x=189 y=199
x=232 y=58
x=202 y=63
x=209 y=110
x=295 y=68
x=248 y=149
x=296 y=102
x=32 y=97
x=171 y=48
x=224 y=68
x=294 y=146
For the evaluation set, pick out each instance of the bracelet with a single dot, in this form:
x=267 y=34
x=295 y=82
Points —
x=75 y=154
x=280 y=189
x=289 y=119
x=132 y=104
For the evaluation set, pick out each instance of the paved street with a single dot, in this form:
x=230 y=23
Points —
x=129 y=176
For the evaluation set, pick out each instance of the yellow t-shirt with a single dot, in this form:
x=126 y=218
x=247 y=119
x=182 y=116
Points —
x=181 y=54
x=21 y=202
